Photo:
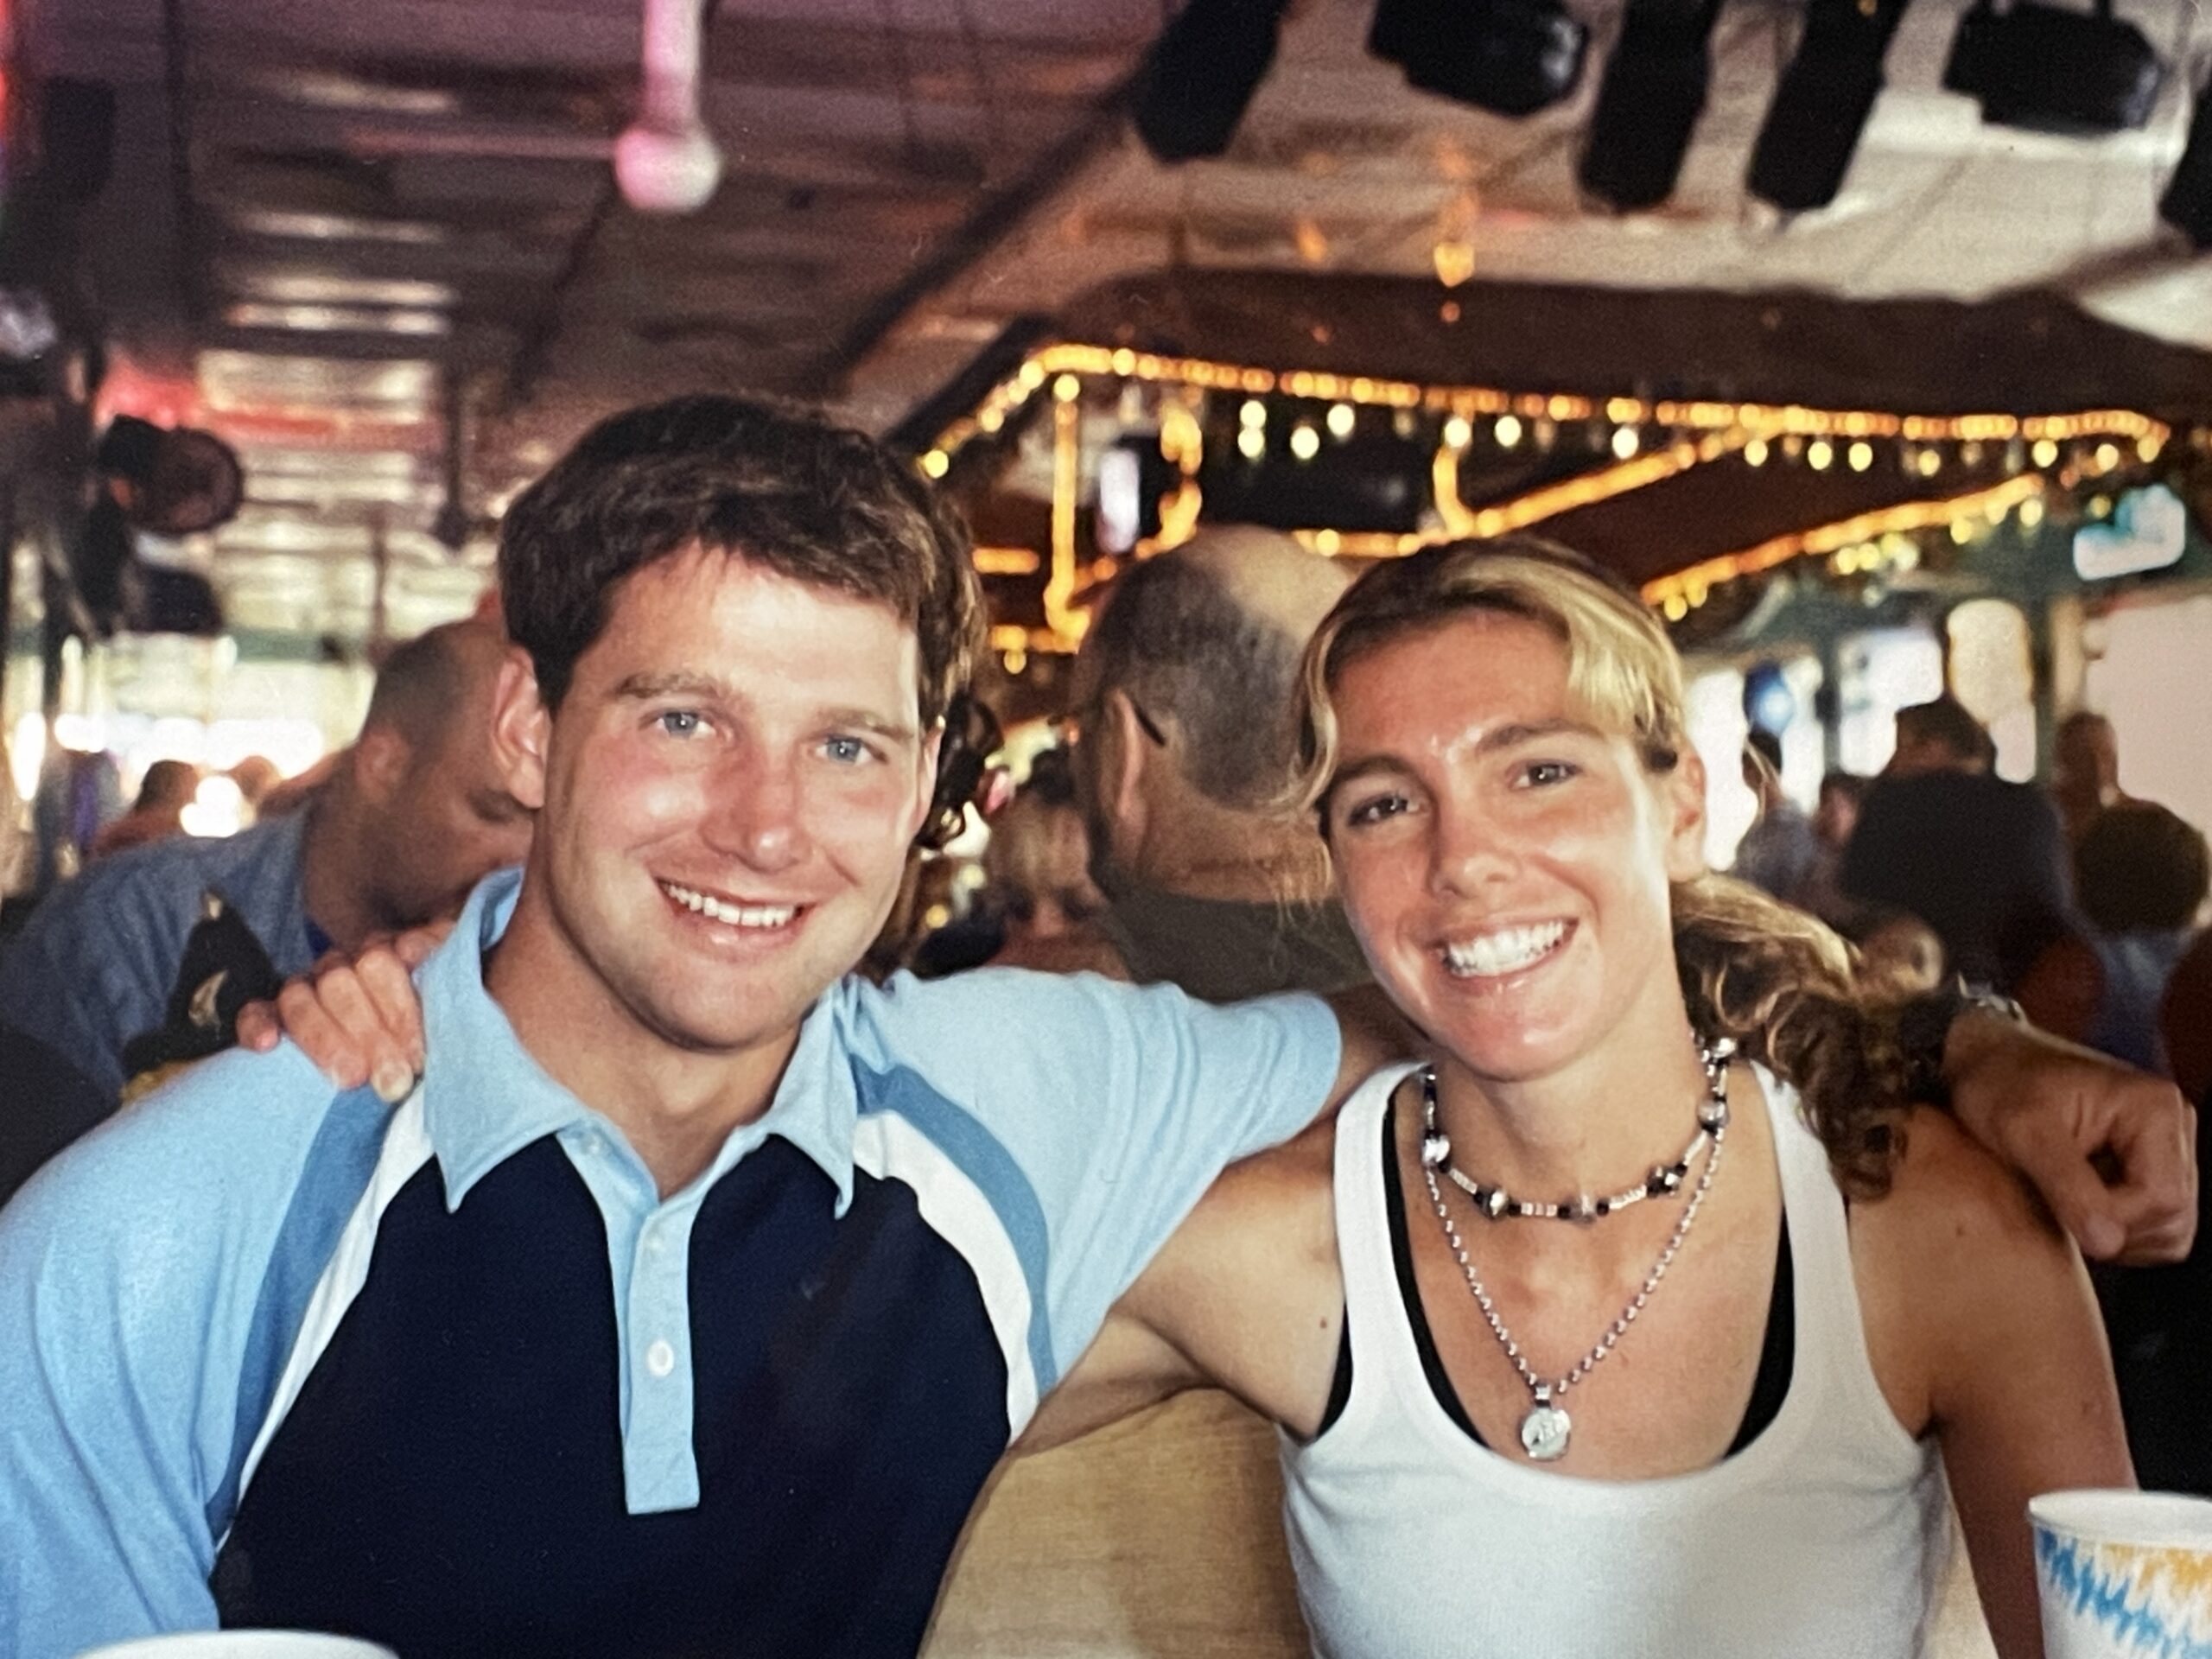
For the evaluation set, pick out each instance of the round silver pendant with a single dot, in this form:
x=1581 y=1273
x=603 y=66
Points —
x=1544 y=1432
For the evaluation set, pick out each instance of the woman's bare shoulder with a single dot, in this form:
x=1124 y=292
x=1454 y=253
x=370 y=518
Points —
x=1951 y=1197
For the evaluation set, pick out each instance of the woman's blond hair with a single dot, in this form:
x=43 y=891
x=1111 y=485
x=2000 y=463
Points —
x=1779 y=982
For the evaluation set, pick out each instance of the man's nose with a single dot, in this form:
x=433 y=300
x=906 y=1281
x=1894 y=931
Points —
x=758 y=812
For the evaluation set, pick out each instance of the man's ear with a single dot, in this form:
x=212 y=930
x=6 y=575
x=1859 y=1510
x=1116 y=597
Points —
x=380 y=758
x=1683 y=799
x=932 y=747
x=1123 y=782
x=522 y=729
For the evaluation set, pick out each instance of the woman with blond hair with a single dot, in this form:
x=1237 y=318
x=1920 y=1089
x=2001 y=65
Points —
x=1636 y=1317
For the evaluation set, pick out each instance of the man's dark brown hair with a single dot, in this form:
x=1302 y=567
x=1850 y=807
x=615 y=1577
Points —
x=781 y=489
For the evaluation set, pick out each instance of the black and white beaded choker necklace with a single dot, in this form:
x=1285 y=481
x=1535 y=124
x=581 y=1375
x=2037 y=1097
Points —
x=1661 y=1180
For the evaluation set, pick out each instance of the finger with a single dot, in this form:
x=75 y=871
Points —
x=2154 y=1141
x=391 y=995
x=320 y=1037
x=2087 y=1209
x=415 y=946
x=259 y=1027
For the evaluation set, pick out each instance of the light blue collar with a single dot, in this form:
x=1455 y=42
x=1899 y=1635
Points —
x=484 y=1097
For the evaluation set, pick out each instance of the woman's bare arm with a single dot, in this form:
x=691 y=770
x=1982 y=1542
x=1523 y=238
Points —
x=1984 y=1330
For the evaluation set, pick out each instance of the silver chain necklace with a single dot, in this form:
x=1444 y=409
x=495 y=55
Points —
x=1545 y=1429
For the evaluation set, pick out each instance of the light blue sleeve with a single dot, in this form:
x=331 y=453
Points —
x=1116 y=1106
x=128 y=1270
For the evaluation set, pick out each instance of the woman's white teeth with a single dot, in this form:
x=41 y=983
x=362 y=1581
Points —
x=1508 y=951
x=730 y=915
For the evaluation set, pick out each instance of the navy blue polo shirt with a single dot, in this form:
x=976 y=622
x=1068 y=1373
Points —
x=457 y=1378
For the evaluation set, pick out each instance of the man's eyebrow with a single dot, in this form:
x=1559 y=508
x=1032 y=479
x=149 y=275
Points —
x=889 y=728
x=671 y=683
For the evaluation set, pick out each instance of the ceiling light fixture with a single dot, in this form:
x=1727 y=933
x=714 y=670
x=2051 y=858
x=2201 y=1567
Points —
x=1202 y=74
x=666 y=162
x=2046 y=67
x=1653 y=92
x=1821 y=103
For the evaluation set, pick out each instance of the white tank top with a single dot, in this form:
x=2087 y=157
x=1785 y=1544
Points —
x=1825 y=1537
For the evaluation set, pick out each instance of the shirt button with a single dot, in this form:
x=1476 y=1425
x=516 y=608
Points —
x=660 y=1359
x=654 y=1243
x=594 y=1146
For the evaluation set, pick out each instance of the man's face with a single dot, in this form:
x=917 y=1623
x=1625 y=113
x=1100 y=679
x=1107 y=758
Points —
x=730 y=787
x=451 y=821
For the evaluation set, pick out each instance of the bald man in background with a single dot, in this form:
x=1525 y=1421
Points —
x=405 y=827
x=1163 y=1535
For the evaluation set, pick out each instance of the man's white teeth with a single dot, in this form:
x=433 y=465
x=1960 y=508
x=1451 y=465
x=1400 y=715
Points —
x=1506 y=951
x=730 y=915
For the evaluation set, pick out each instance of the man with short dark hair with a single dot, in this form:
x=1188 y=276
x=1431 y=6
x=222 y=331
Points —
x=400 y=834
x=688 y=1303
x=1980 y=861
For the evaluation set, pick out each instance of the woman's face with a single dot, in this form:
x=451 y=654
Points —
x=1505 y=863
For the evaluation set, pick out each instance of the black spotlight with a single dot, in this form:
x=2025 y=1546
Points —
x=2187 y=204
x=1652 y=95
x=1202 y=73
x=2046 y=67
x=1511 y=57
x=1821 y=103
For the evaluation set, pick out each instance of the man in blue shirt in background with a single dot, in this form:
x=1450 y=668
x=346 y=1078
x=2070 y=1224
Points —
x=414 y=817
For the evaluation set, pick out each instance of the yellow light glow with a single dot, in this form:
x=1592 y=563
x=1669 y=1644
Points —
x=1252 y=443
x=1508 y=431
x=1328 y=542
x=1254 y=413
x=1341 y=419
x=1626 y=442
x=1755 y=451
x=1067 y=388
x=991 y=419
x=2045 y=452
x=1675 y=607
x=2147 y=449
x=1961 y=531
x=1828 y=539
x=1004 y=562
x=1860 y=455
x=2030 y=514
x=935 y=462
x=1457 y=432
x=1305 y=442
x=2107 y=457
x=1819 y=454
x=1928 y=462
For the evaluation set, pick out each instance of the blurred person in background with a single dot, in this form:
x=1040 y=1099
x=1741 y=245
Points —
x=77 y=791
x=158 y=814
x=1039 y=906
x=2142 y=874
x=1181 y=694
x=1835 y=815
x=397 y=837
x=1779 y=854
x=254 y=776
x=1982 y=862
x=2085 y=770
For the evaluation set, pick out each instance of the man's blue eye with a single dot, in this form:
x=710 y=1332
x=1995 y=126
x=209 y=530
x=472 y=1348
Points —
x=1542 y=773
x=681 y=722
x=846 y=748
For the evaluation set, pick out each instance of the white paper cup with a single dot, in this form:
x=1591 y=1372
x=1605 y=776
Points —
x=242 y=1645
x=2124 y=1575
